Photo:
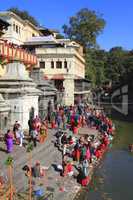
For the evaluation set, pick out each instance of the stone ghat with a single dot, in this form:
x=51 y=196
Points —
x=63 y=188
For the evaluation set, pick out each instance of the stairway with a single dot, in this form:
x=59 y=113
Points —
x=46 y=153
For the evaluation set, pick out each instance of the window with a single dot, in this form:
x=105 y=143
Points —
x=14 y=27
x=65 y=64
x=42 y=64
x=17 y=29
x=33 y=35
x=52 y=64
x=59 y=64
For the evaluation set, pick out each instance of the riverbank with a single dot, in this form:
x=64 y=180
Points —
x=95 y=140
x=113 y=178
x=63 y=188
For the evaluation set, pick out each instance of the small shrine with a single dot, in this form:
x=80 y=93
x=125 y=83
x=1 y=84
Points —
x=49 y=92
x=20 y=93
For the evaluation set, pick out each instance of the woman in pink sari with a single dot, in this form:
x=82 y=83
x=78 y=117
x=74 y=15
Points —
x=88 y=154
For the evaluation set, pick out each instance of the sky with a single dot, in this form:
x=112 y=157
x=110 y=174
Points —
x=118 y=15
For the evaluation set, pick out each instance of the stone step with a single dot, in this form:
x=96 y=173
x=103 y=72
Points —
x=46 y=153
x=39 y=149
x=37 y=154
x=19 y=152
x=45 y=161
x=45 y=157
x=22 y=157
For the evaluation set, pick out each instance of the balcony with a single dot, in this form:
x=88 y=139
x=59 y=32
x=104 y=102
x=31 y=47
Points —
x=10 y=52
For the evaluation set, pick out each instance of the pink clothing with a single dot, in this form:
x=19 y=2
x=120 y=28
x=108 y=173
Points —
x=88 y=154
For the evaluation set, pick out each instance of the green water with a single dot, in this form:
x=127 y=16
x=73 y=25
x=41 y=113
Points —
x=113 y=179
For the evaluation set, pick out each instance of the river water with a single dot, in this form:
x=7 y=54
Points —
x=113 y=178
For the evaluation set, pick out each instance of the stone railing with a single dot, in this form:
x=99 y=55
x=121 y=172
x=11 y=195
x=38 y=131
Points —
x=10 y=52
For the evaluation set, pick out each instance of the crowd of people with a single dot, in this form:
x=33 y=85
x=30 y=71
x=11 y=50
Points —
x=78 y=152
x=84 y=150
x=37 y=132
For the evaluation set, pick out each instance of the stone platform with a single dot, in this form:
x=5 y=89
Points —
x=49 y=156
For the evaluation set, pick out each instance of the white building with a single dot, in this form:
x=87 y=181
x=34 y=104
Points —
x=19 y=30
x=18 y=93
x=22 y=99
x=61 y=61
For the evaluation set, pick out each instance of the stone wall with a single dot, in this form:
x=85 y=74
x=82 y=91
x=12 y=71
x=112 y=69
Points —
x=68 y=84
x=20 y=109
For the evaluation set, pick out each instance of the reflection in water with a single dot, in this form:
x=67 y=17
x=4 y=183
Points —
x=113 y=179
x=117 y=179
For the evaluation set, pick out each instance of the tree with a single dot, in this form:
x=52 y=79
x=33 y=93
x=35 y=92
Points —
x=24 y=15
x=95 y=65
x=128 y=63
x=84 y=27
x=115 y=64
x=90 y=72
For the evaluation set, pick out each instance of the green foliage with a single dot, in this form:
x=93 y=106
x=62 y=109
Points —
x=29 y=147
x=84 y=27
x=119 y=65
x=24 y=15
x=90 y=71
x=9 y=161
x=128 y=65
x=115 y=66
x=95 y=66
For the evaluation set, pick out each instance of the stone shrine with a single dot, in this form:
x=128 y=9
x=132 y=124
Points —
x=49 y=92
x=20 y=93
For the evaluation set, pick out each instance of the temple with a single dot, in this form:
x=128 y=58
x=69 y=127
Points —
x=37 y=68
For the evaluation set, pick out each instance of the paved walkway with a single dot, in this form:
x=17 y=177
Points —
x=49 y=156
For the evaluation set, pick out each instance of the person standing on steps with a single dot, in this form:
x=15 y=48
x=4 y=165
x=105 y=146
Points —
x=34 y=137
x=9 y=141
